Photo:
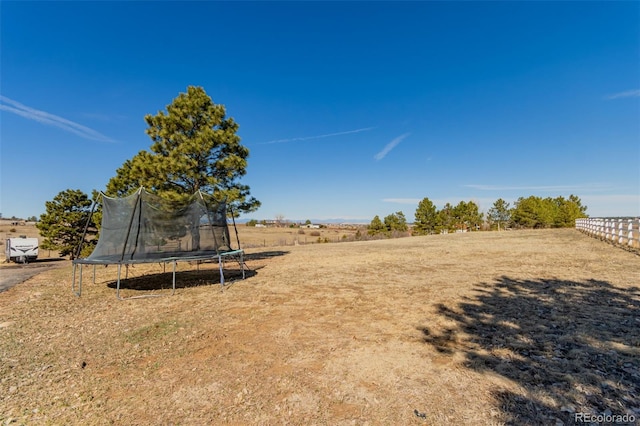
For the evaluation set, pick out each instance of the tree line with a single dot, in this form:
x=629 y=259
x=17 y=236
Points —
x=531 y=212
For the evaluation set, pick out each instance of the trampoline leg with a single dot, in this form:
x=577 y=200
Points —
x=73 y=284
x=118 y=282
x=221 y=272
x=174 y=278
x=242 y=264
x=94 y=274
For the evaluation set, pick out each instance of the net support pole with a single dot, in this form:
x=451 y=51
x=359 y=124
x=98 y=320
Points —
x=126 y=238
x=84 y=232
x=233 y=219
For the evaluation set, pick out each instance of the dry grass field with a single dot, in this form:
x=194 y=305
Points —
x=7 y=230
x=252 y=237
x=522 y=328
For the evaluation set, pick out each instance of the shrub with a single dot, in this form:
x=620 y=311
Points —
x=315 y=233
x=301 y=231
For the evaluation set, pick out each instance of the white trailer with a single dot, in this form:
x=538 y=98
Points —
x=22 y=250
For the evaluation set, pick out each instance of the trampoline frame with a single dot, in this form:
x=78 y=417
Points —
x=237 y=255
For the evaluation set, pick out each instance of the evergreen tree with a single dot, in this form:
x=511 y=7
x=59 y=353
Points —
x=425 y=217
x=499 y=213
x=395 y=222
x=567 y=211
x=466 y=215
x=376 y=226
x=536 y=212
x=195 y=147
x=527 y=212
x=445 y=220
x=64 y=222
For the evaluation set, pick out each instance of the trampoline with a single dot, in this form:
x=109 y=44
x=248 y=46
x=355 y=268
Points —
x=144 y=228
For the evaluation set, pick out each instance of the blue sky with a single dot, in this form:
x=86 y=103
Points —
x=349 y=109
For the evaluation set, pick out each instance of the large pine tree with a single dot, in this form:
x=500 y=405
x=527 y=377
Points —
x=195 y=147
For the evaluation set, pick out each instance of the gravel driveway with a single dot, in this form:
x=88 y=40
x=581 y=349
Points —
x=16 y=274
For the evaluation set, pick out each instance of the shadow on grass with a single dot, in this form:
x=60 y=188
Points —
x=264 y=255
x=49 y=260
x=184 y=279
x=573 y=346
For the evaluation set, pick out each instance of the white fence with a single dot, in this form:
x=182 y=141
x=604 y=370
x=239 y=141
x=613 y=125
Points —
x=624 y=232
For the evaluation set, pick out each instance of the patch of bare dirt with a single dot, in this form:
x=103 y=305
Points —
x=526 y=327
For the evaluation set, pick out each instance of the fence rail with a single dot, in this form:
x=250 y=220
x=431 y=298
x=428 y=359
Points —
x=624 y=232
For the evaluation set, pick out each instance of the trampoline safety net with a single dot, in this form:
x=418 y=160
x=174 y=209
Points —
x=146 y=228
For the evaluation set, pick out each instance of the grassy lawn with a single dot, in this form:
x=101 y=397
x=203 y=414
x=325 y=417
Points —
x=522 y=327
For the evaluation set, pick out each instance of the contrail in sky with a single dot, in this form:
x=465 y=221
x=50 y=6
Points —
x=306 y=138
x=50 y=119
x=627 y=94
x=379 y=156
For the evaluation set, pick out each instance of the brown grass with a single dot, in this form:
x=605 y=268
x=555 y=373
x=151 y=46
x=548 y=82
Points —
x=252 y=237
x=522 y=327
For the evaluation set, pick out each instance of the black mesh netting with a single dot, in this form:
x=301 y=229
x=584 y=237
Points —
x=145 y=228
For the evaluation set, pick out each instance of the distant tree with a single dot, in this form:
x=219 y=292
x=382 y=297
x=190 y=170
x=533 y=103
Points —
x=536 y=212
x=252 y=222
x=499 y=213
x=473 y=216
x=466 y=215
x=528 y=212
x=32 y=219
x=280 y=220
x=307 y=222
x=63 y=223
x=425 y=217
x=567 y=211
x=195 y=147
x=376 y=226
x=395 y=222
x=445 y=220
